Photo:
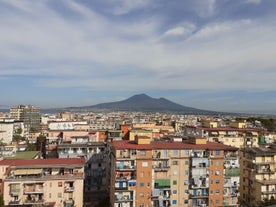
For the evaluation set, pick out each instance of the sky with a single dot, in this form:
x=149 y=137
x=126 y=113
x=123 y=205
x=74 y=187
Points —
x=208 y=54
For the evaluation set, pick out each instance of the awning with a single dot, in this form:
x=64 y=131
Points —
x=132 y=182
x=27 y=171
x=162 y=183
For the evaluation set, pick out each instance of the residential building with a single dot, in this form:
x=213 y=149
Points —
x=168 y=173
x=258 y=175
x=6 y=130
x=43 y=182
x=30 y=115
x=236 y=135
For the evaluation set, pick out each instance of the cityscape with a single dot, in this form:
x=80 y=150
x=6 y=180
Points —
x=141 y=103
x=136 y=158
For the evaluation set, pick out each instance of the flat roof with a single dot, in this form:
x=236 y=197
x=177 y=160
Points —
x=42 y=162
x=126 y=144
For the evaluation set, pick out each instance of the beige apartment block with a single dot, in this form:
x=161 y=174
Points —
x=38 y=182
x=258 y=175
x=236 y=137
x=186 y=173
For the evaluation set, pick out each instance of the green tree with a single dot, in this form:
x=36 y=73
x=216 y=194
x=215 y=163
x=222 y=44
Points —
x=1 y=201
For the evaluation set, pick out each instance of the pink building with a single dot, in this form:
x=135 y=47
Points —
x=43 y=182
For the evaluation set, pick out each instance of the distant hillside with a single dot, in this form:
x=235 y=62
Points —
x=143 y=102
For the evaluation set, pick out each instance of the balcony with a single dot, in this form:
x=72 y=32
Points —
x=126 y=168
x=14 y=202
x=125 y=198
x=68 y=189
x=161 y=167
x=33 y=191
x=199 y=195
x=14 y=192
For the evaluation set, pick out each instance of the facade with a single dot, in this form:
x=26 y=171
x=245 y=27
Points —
x=236 y=137
x=97 y=166
x=6 y=130
x=258 y=176
x=38 y=182
x=168 y=173
x=30 y=115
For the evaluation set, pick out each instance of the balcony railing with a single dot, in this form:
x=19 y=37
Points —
x=126 y=168
x=33 y=191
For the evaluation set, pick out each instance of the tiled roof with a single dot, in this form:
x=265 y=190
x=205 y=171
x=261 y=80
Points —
x=126 y=144
x=40 y=162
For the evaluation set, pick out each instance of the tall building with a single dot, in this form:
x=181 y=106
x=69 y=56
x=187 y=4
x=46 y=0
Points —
x=258 y=176
x=168 y=173
x=30 y=115
x=38 y=182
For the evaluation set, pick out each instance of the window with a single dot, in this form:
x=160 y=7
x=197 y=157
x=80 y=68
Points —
x=59 y=184
x=217 y=152
x=186 y=162
x=141 y=205
x=217 y=163
x=211 y=192
x=187 y=152
x=175 y=152
x=217 y=191
x=174 y=202
x=144 y=164
x=142 y=195
x=217 y=172
x=186 y=201
x=174 y=172
x=148 y=184
x=142 y=153
x=186 y=191
x=217 y=201
x=186 y=182
x=186 y=172
x=174 y=191
x=175 y=163
x=59 y=195
x=174 y=182
x=217 y=181
x=142 y=184
x=142 y=174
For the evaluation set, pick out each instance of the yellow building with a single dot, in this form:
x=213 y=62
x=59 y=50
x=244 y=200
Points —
x=258 y=176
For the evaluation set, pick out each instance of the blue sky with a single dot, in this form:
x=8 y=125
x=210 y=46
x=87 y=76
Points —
x=208 y=54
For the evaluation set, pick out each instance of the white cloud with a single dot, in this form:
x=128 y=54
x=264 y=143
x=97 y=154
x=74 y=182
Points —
x=184 y=30
x=126 y=6
x=83 y=53
x=254 y=1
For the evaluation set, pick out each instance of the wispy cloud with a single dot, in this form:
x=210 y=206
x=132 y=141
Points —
x=138 y=45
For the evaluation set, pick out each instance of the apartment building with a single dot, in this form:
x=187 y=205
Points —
x=258 y=176
x=30 y=115
x=97 y=166
x=6 y=130
x=42 y=182
x=168 y=173
x=236 y=134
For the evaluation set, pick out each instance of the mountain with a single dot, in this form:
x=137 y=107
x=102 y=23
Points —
x=143 y=102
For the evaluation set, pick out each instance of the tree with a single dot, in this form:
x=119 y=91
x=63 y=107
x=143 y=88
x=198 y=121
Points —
x=1 y=201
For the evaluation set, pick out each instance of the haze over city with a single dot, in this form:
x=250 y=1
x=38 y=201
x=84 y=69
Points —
x=213 y=55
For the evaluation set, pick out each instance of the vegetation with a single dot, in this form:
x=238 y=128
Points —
x=1 y=201
x=268 y=123
x=269 y=202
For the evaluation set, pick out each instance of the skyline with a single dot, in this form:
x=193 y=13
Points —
x=212 y=55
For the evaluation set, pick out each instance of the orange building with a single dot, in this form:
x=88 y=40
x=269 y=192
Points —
x=168 y=173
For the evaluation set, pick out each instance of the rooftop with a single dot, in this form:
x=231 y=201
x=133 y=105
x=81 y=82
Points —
x=40 y=162
x=126 y=144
